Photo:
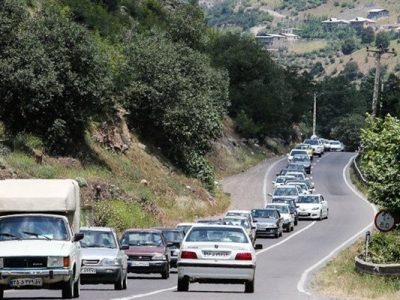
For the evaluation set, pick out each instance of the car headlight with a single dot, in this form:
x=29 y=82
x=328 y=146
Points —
x=159 y=257
x=55 y=261
x=111 y=261
x=1 y=263
x=315 y=208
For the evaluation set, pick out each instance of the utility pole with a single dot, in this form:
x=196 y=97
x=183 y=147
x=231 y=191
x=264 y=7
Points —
x=378 y=55
x=314 y=124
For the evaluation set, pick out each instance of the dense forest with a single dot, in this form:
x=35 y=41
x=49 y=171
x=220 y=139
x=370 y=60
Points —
x=69 y=64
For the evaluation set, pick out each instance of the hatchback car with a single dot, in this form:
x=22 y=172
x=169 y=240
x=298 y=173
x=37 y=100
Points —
x=147 y=251
x=284 y=211
x=286 y=191
x=269 y=222
x=294 y=152
x=313 y=207
x=103 y=261
x=217 y=254
x=174 y=237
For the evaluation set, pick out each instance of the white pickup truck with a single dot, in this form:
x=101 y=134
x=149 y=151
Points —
x=39 y=234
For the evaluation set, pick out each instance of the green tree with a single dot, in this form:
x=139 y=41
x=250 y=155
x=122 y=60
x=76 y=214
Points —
x=348 y=46
x=176 y=98
x=382 y=39
x=53 y=79
x=381 y=161
x=351 y=71
x=348 y=130
x=367 y=35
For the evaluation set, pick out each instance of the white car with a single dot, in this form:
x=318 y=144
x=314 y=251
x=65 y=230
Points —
x=284 y=210
x=294 y=152
x=281 y=180
x=336 y=146
x=185 y=227
x=312 y=207
x=316 y=145
x=217 y=254
x=244 y=222
x=242 y=213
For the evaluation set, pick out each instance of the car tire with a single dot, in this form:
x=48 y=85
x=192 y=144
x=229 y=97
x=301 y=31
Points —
x=1 y=294
x=183 y=284
x=77 y=288
x=119 y=285
x=249 y=287
x=320 y=154
x=67 y=291
x=281 y=233
x=327 y=213
x=292 y=228
x=125 y=283
x=320 y=216
x=296 y=222
x=165 y=273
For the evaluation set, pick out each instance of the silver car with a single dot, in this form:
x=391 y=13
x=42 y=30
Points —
x=103 y=260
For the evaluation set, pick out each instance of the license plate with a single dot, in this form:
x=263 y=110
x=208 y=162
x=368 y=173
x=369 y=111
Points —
x=140 y=264
x=88 y=271
x=304 y=214
x=216 y=253
x=26 y=282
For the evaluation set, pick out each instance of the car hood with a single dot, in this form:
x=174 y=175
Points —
x=98 y=253
x=144 y=250
x=265 y=221
x=308 y=205
x=35 y=248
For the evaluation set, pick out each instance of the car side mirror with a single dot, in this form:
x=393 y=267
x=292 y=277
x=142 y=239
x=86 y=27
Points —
x=124 y=247
x=258 y=246
x=78 y=237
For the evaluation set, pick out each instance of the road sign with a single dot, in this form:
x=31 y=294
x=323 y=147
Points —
x=385 y=221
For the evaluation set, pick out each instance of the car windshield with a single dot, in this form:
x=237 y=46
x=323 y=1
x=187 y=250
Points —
x=239 y=214
x=308 y=199
x=286 y=201
x=173 y=235
x=142 y=239
x=217 y=234
x=98 y=239
x=287 y=191
x=185 y=228
x=335 y=143
x=33 y=227
x=281 y=208
x=296 y=152
x=298 y=176
x=263 y=213
x=236 y=222
x=302 y=146
x=300 y=158
x=311 y=142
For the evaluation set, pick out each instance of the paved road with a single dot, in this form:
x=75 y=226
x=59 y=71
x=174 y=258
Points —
x=285 y=265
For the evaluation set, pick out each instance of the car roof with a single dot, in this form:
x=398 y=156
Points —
x=278 y=204
x=185 y=224
x=236 y=217
x=200 y=225
x=168 y=229
x=284 y=186
x=95 y=228
x=238 y=211
x=267 y=208
x=143 y=230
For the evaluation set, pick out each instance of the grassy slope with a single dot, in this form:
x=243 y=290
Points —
x=166 y=198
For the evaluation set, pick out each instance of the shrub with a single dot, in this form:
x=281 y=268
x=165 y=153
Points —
x=384 y=247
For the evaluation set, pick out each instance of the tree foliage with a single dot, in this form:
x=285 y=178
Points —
x=381 y=160
x=382 y=39
x=53 y=79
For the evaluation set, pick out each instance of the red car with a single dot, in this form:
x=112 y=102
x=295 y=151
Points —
x=147 y=252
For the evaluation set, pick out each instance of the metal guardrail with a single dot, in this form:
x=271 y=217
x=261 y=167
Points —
x=358 y=171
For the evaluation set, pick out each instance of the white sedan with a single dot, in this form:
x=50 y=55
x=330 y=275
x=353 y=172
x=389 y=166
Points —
x=336 y=146
x=312 y=206
x=217 y=254
x=284 y=210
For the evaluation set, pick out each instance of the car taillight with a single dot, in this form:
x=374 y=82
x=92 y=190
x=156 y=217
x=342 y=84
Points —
x=188 y=255
x=66 y=262
x=244 y=256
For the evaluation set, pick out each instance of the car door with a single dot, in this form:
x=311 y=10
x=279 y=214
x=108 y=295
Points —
x=324 y=206
x=280 y=221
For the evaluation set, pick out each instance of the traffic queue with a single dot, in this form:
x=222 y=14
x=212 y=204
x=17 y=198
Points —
x=207 y=251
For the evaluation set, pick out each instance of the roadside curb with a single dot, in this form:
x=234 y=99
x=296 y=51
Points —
x=376 y=269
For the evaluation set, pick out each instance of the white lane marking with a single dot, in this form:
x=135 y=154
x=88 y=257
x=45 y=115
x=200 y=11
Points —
x=286 y=239
x=146 y=294
x=265 y=179
x=303 y=279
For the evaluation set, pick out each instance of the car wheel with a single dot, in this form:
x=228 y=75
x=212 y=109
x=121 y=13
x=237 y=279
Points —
x=183 y=284
x=1 y=294
x=292 y=228
x=281 y=233
x=320 y=215
x=165 y=273
x=327 y=213
x=249 y=286
x=296 y=221
x=67 y=291
x=320 y=154
x=119 y=285
x=125 y=283
x=77 y=288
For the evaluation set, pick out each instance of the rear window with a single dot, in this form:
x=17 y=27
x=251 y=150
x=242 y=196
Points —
x=217 y=234
x=311 y=142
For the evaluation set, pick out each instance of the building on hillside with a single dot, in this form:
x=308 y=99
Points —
x=361 y=23
x=271 y=40
x=377 y=13
x=291 y=37
x=334 y=22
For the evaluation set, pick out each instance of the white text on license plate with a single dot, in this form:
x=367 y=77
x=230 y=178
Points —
x=216 y=253
x=26 y=282
x=88 y=271
x=140 y=263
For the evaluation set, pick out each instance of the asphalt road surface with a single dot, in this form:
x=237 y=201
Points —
x=285 y=265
